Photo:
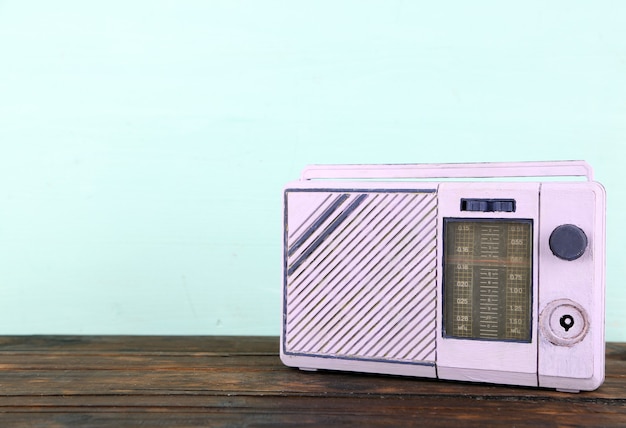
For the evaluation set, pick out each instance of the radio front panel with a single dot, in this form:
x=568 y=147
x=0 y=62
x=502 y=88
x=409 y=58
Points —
x=471 y=280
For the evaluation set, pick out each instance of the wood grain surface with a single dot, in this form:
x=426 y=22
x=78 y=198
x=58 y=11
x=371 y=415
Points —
x=104 y=381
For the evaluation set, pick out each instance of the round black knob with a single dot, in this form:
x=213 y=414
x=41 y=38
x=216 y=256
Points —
x=568 y=242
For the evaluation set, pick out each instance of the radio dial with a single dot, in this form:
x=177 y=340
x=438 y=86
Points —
x=564 y=322
x=568 y=242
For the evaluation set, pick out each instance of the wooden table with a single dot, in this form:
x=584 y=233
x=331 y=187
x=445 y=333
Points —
x=107 y=381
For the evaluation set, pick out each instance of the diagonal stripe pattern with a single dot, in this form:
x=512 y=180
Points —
x=360 y=276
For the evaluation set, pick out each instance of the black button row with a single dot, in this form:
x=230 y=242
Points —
x=488 y=205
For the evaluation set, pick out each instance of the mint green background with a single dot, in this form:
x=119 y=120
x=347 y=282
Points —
x=144 y=144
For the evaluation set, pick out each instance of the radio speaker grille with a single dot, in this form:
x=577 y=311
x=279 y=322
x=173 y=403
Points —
x=360 y=274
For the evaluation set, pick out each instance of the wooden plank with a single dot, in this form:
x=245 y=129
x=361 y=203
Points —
x=432 y=412
x=373 y=411
x=388 y=408
x=263 y=373
x=142 y=344
x=258 y=374
x=222 y=381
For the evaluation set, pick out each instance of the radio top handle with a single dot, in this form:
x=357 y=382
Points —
x=450 y=170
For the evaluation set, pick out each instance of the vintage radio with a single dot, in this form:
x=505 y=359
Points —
x=486 y=272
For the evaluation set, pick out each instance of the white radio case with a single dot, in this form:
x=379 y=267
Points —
x=449 y=271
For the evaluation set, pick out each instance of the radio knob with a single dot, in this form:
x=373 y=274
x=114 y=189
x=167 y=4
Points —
x=564 y=322
x=568 y=242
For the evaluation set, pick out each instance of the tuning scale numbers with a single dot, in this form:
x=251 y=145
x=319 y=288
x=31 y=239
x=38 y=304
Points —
x=518 y=281
x=463 y=281
x=488 y=279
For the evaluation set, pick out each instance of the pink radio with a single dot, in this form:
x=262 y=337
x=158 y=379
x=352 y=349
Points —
x=485 y=272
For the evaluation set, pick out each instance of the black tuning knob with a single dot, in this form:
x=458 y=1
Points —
x=568 y=242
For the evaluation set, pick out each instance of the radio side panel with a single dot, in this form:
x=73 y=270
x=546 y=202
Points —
x=571 y=294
